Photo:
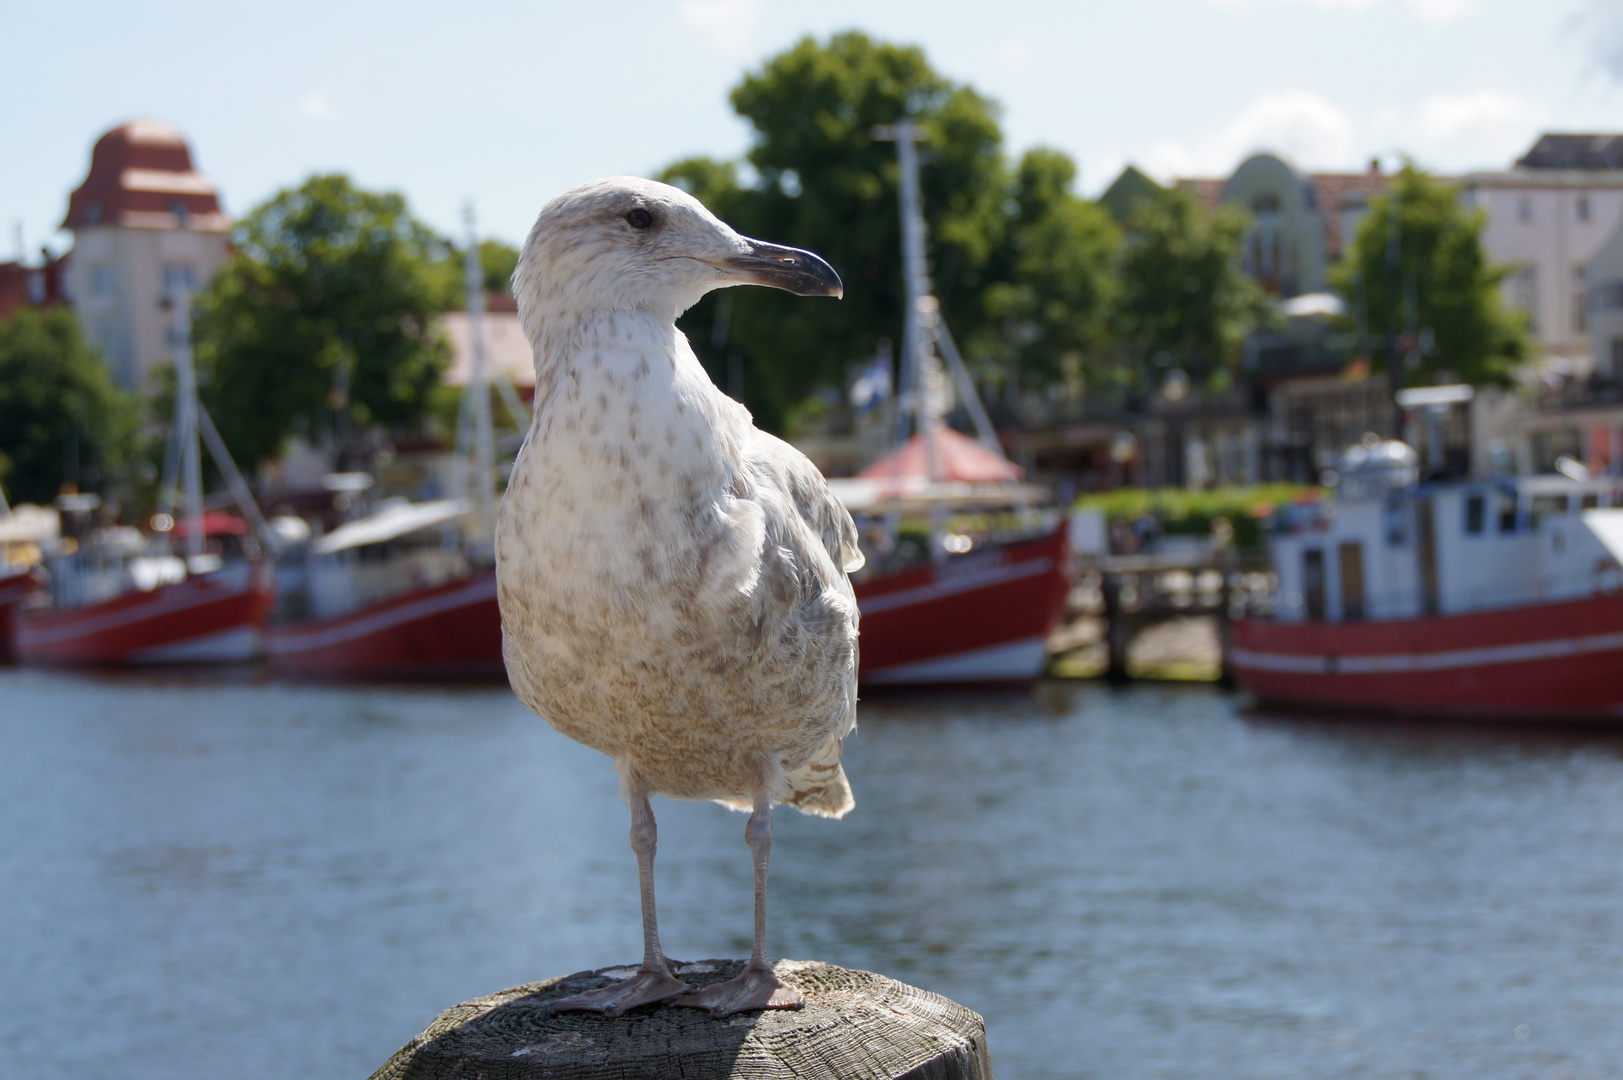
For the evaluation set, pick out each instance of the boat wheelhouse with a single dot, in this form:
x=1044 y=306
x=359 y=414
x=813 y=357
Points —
x=1500 y=597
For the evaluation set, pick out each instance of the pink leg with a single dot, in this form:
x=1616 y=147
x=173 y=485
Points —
x=758 y=987
x=653 y=981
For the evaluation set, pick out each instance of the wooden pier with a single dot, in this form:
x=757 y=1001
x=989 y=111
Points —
x=1156 y=616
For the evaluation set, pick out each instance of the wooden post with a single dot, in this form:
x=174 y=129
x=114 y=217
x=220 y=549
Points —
x=1117 y=633
x=855 y=1024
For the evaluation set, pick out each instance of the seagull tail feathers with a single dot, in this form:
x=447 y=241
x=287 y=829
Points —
x=818 y=787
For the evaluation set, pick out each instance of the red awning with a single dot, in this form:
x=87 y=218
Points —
x=215 y=523
x=958 y=458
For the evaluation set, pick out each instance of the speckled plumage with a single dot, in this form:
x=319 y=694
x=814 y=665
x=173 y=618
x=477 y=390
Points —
x=672 y=580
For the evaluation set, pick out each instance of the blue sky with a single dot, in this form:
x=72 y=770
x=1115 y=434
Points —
x=509 y=103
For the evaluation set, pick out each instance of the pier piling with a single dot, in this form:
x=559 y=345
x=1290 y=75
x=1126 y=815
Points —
x=855 y=1024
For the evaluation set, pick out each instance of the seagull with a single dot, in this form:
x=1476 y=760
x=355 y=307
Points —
x=672 y=580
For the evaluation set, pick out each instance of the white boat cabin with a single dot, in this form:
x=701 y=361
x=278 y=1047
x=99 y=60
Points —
x=400 y=547
x=1388 y=546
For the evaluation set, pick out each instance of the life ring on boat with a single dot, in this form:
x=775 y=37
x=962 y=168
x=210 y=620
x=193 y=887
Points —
x=1608 y=575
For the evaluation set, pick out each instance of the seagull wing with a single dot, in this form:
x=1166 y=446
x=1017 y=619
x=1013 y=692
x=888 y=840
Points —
x=811 y=537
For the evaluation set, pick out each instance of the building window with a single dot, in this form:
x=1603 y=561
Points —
x=1476 y=509
x=1524 y=209
x=178 y=276
x=1583 y=208
x=36 y=286
x=1580 y=298
x=101 y=280
x=1524 y=292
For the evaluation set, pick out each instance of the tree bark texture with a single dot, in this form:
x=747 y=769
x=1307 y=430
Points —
x=855 y=1025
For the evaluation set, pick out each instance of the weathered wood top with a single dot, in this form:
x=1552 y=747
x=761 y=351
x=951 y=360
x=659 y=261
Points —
x=855 y=1024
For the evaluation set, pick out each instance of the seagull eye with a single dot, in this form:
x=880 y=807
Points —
x=639 y=218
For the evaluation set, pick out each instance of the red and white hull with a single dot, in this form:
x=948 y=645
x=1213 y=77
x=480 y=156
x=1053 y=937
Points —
x=203 y=619
x=978 y=618
x=450 y=631
x=14 y=589
x=1556 y=661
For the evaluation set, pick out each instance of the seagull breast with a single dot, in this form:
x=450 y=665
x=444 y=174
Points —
x=672 y=580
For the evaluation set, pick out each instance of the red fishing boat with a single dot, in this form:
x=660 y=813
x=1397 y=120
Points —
x=214 y=617
x=980 y=617
x=16 y=587
x=974 y=594
x=120 y=596
x=966 y=576
x=389 y=596
x=408 y=592
x=1494 y=599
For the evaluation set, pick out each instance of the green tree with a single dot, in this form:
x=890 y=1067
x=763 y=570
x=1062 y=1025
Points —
x=1441 y=281
x=1047 y=313
x=824 y=183
x=1184 y=298
x=330 y=284
x=61 y=418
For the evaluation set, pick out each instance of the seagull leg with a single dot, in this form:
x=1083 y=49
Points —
x=759 y=986
x=653 y=981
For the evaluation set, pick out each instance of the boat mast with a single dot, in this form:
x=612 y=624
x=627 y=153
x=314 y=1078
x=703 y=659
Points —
x=186 y=407
x=922 y=381
x=484 y=443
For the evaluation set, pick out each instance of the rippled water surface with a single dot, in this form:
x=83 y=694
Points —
x=202 y=877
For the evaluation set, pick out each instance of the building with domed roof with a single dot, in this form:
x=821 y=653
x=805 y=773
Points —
x=145 y=224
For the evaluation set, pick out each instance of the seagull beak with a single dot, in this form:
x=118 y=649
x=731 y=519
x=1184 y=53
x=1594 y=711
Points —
x=787 y=268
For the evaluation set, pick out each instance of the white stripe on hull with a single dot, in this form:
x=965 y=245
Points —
x=1008 y=662
x=950 y=586
x=296 y=640
x=174 y=598
x=238 y=645
x=1432 y=661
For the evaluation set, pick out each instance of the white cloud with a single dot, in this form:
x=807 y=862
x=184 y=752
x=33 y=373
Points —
x=1479 y=129
x=729 y=25
x=318 y=106
x=1436 y=12
x=1474 y=130
x=1302 y=126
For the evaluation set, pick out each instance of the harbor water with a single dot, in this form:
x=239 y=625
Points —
x=213 y=876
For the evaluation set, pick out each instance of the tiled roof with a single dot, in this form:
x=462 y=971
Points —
x=1331 y=192
x=1553 y=151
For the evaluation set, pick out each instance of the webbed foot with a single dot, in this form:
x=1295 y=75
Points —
x=643 y=988
x=756 y=988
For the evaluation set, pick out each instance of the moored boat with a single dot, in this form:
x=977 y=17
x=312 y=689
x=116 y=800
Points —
x=408 y=591
x=1493 y=599
x=971 y=596
x=389 y=596
x=119 y=596
x=980 y=617
x=214 y=617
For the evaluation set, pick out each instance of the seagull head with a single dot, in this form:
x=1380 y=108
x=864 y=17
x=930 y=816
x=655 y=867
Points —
x=624 y=243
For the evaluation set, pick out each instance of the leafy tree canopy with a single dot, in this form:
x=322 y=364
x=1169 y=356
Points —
x=61 y=418
x=1046 y=312
x=1440 y=280
x=1184 y=300
x=823 y=182
x=330 y=282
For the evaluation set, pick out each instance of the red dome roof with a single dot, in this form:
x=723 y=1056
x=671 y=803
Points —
x=141 y=175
